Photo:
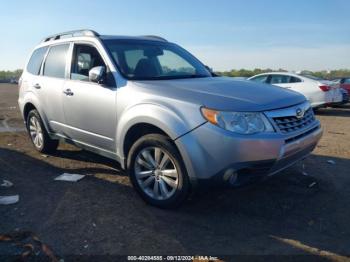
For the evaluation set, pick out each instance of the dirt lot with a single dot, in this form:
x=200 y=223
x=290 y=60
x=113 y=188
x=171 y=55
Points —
x=102 y=215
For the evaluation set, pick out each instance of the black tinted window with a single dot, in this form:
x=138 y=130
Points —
x=279 y=79
x=36 y=60
x=294 y=80
x=55 y=63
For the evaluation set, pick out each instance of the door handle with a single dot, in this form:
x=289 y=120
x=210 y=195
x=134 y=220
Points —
x=37 y=86
x=68 y=92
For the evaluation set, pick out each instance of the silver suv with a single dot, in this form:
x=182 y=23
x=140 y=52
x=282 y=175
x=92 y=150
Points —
x=163 y=115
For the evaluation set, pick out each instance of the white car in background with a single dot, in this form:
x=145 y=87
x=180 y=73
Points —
x=319 y=92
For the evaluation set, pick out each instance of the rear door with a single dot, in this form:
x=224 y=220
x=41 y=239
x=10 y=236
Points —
x=50 y=84
x=89 y=108
x=31 y=82
x=294 y=83
x=280 y=80
x=287 y=81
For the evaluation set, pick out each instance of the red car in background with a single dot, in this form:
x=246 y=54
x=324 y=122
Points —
x=345 y=83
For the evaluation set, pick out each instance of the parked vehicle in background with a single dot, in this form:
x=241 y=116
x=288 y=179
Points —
x=318 y=91
x=344 y=83
x=157 y=110
x=239 y=78
x=345 y=96
x=13 y=81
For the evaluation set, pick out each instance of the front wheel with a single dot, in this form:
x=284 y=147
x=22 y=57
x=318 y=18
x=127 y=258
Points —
x=157 y=172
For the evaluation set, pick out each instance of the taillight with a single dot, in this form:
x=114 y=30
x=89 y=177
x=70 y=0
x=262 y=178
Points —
x=325 y=88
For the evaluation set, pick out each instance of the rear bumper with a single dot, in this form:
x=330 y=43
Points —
x=214 y=156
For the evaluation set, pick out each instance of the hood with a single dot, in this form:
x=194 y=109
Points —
x=223 y=93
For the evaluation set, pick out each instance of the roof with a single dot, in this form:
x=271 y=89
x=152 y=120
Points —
x=124 y=37
x=278 y=73
x=91 y=33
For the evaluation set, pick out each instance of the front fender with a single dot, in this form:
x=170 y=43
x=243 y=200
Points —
x=160 y=116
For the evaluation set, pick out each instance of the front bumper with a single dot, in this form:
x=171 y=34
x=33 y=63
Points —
x=213 y=155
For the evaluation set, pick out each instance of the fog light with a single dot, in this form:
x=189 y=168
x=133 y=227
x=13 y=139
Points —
x=230 y=176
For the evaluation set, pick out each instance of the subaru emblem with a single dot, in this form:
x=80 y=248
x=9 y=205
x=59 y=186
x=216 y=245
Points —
x=299 y=113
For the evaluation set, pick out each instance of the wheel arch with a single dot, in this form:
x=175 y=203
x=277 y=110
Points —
x=145 y=119
x=30 y=105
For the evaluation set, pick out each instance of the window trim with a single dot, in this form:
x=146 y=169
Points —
x=70 y=62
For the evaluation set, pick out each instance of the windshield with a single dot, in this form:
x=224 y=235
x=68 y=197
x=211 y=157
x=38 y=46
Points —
x=154 y=60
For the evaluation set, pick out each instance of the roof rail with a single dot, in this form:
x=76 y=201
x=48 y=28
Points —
x=82 y=32
x=155 y=37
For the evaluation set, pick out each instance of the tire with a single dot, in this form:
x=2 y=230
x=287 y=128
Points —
x=38 y=134
x=167 y=180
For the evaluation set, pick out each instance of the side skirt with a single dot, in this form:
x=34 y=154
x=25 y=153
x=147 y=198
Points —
x=87 y=147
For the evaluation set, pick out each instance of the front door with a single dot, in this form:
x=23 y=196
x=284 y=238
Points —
x=89 y=108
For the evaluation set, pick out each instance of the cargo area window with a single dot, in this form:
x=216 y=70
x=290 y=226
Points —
x=36 y=60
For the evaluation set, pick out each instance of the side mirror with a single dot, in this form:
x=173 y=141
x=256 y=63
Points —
x=211 y=71
x=96 y=74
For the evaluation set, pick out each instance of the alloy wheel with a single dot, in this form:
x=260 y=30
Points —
x=156 y=173
x=36 y=132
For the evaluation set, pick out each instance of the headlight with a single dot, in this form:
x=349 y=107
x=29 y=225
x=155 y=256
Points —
x=238 y=122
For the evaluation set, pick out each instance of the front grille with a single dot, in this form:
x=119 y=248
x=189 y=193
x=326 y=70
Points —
x=289 y=124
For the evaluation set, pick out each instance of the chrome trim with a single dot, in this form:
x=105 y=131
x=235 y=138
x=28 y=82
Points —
x=86 y=146
x=82 y=131
x=289 y=111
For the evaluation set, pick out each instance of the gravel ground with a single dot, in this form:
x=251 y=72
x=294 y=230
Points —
x=102 y=215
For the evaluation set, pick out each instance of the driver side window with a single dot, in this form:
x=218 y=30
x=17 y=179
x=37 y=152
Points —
x=85 y=57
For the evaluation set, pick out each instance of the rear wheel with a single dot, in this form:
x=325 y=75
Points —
x=38 y=134
x=157 y=172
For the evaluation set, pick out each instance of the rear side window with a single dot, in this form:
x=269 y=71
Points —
x=261 y=79
x=279 y=79
x=294 y=80
x=55 y=63
x=36 y=60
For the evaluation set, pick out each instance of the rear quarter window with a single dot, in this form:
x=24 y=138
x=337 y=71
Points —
x=36 y=60
x=294 y=79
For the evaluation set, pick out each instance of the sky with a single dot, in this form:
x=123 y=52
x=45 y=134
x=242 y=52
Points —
x=223 y=34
